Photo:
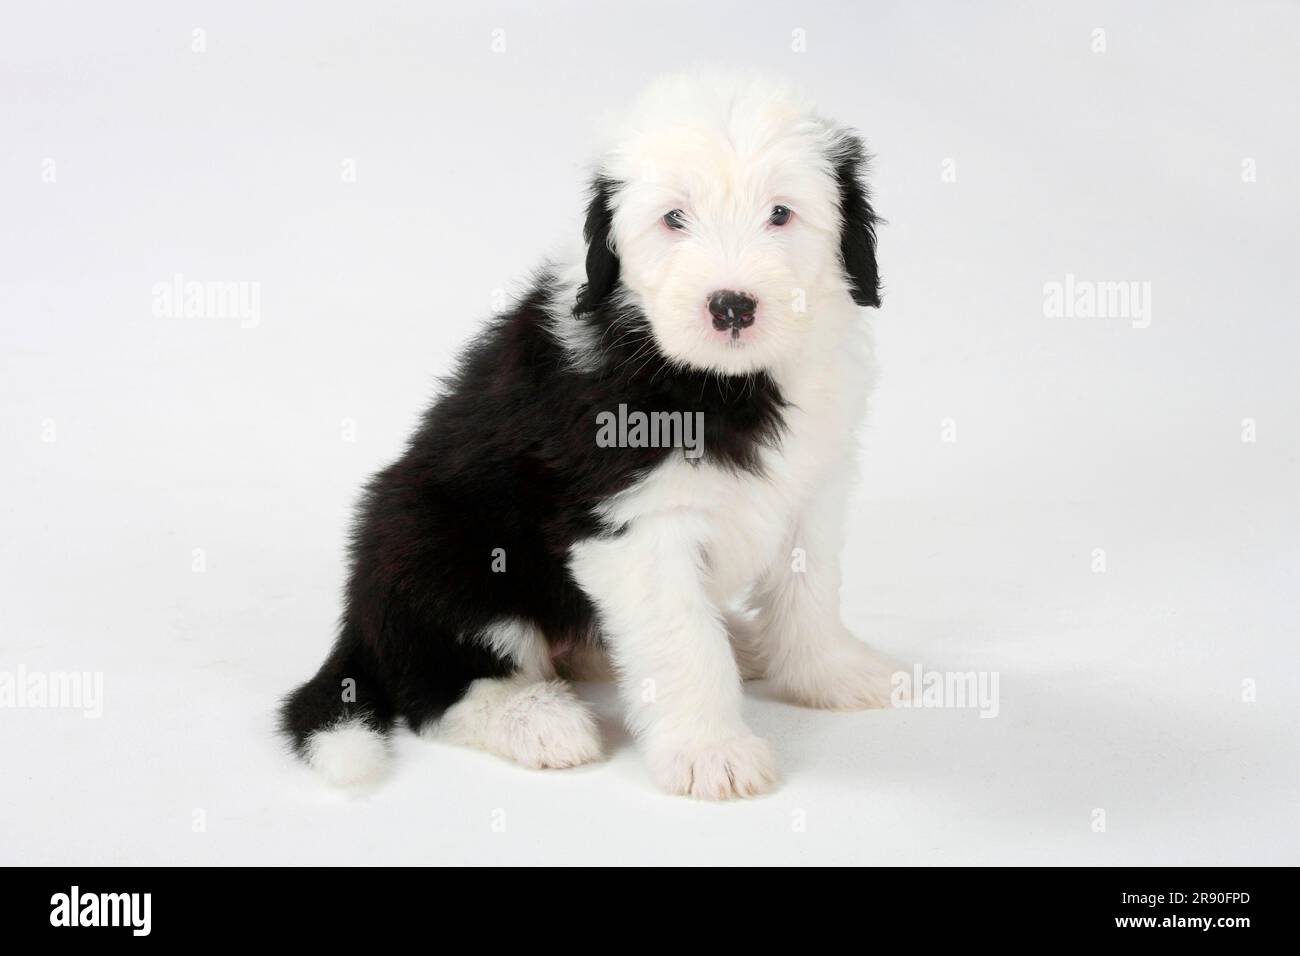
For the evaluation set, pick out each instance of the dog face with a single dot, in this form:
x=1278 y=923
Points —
x=728 y=213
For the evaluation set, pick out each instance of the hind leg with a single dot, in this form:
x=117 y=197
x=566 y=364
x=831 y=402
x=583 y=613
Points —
x=534 y=723
x=351 y=752
x=529 y=716
x=338 y=721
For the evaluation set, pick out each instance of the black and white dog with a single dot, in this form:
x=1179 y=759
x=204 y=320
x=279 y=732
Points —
x=729 y=246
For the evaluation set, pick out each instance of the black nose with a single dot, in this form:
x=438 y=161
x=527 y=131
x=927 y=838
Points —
x=732 y=310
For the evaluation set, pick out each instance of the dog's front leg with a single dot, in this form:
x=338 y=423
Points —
x=809 y=653
x=669 y=646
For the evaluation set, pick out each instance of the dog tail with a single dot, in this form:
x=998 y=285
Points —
x=338 y=722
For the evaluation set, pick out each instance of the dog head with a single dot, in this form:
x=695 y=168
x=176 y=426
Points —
x=728 y=212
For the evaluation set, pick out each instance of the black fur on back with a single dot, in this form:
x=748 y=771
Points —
x=507 y=459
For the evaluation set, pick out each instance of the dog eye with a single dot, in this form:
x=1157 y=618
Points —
x=675 y=219
x=780 y=216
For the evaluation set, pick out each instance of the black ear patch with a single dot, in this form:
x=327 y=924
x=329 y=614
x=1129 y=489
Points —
x=602 y=262
x=858 y=233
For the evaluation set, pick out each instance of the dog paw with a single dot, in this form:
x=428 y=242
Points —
x=851 y=677
x=546 y=725
x=538 y=724
x=742 y=766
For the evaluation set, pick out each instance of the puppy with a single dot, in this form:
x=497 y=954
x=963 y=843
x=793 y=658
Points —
x=647 y=457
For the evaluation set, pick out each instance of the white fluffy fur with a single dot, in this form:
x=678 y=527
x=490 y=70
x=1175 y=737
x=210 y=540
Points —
x=700 y=538
x=534 y=723
x=531 y=717
x=702 y=541
x=725 y=150
x=347 y=754
x=522 y=643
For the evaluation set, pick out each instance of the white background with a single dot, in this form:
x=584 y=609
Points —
x=1120 y=691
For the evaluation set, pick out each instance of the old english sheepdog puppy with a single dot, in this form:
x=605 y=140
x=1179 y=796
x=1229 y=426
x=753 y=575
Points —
x=646 y=458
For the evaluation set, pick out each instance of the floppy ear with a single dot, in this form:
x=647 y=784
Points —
x=602 y=262
x=858 y=229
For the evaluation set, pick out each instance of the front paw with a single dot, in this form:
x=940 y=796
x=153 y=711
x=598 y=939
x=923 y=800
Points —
x=850 y=676
x=741 y=766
